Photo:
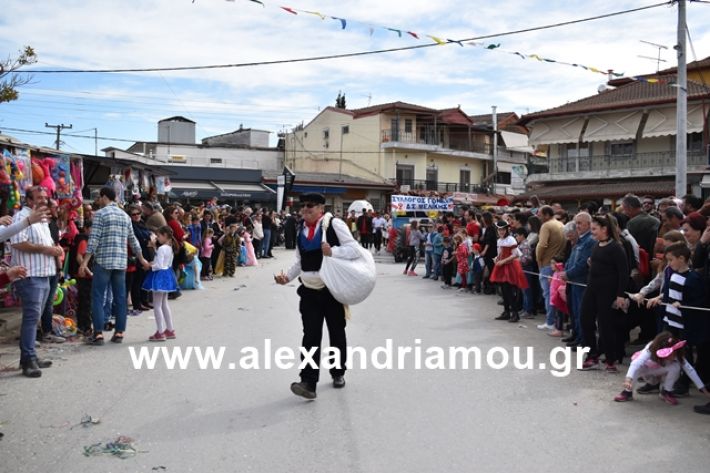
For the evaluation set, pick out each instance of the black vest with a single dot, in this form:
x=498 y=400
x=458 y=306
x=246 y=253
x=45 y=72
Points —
x=311 y=259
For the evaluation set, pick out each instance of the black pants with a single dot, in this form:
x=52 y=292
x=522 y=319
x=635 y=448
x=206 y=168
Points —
x=135 y=279
x=447 y=273
x=316 y=306
x=412 y=258
x=257 y=247
x=206 y=266
x=508 y=297
x=365 y=240
x=597 y=310
x=83 y=311
x=487 y=286
x=378 y=239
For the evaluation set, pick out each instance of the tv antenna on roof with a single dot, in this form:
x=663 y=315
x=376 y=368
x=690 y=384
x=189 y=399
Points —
x=657 y=59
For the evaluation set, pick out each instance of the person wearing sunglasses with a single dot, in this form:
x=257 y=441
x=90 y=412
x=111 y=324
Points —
x=317 y=303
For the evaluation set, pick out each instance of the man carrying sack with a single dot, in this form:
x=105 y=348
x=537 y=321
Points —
x=317 y=302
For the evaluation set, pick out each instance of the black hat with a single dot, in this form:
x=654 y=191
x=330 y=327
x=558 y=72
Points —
x=314 y=197
x=501 y=224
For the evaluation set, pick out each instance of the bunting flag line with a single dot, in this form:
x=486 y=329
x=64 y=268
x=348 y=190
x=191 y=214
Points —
x=439 y=41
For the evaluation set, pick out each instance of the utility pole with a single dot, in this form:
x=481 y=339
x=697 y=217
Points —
x=495 y=147
x=681 y=158
x=59 y=129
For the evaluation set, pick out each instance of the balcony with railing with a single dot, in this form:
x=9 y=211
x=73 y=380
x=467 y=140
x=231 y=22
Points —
x=639 y=164
x=448 y=143
x=441 y=187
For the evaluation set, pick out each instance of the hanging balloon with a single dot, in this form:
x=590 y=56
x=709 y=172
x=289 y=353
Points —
x=37 y=173
x=58 y=296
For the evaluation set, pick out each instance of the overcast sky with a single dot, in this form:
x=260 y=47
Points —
x=162 y=33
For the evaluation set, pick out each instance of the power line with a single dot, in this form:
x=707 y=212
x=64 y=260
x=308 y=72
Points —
x=72 y=135
x=346 y=55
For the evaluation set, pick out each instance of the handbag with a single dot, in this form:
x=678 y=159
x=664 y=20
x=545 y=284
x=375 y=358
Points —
x=349 y=281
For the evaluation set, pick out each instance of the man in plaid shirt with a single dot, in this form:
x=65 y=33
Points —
x=111 y=233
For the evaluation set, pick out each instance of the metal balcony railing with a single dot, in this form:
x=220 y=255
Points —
x=663 y=160
x=441 y=187
x=450 y=141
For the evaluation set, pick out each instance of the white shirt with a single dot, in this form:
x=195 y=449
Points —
x=38 y=265
x=13 y=229
x=163 y=258
x=506 y=242
x=348 y=249
x=378 y=222
x=258 y=230
x=639 y=365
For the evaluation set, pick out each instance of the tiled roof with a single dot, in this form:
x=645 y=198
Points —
x=599 y=190
x=374 y=109
x=487 y=118
x=454 y=116
x=701 y=64
x=633 y=94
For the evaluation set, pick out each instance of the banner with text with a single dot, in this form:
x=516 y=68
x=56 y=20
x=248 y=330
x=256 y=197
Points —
x=406 y=203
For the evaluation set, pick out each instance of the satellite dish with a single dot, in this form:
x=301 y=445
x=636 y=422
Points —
x=603 y=88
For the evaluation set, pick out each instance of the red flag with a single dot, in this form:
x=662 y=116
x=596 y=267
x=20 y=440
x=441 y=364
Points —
x=290 y=10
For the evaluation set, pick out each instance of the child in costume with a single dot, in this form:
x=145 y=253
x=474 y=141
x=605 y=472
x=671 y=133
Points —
x=661 y=361
x=508 y=272
x=161 y=281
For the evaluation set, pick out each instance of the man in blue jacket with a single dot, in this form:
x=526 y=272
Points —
x=576 y=271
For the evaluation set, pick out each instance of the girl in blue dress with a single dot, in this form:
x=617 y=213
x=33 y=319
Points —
x=161 y=281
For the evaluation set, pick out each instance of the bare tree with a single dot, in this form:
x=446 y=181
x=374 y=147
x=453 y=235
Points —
x=10 y=79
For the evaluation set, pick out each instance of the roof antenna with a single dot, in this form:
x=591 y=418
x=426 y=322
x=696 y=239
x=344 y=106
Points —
x=657 y=59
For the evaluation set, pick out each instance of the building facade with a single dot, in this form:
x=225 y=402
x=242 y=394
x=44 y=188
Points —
x=416 y=149
x=618 y=141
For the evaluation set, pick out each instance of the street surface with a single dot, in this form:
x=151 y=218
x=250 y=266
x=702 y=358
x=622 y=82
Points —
x=383 y=420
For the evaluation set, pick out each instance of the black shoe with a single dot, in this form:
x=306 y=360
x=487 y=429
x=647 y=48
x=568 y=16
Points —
x=648 y=388
x=514 y=318
x=571 y=338
x=338 y=382
x=304 y=390
x=43 y=363
x=703 y=409
x=97 y=341
x=504 y=316
x=573 y=344
x=31 y=368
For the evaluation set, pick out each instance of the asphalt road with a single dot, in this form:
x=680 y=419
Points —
x=409 y=420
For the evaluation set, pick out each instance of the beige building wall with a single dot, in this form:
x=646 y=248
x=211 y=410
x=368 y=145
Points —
x=317 y=148
x=448 y=167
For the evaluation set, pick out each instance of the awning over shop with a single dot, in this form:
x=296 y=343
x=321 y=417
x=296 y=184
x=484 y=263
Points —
x=613 y=126
x=476 y=199
x=221 y=190
x=597 y=190
x=565 y=130
x=245 y=191
x=316 y=188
